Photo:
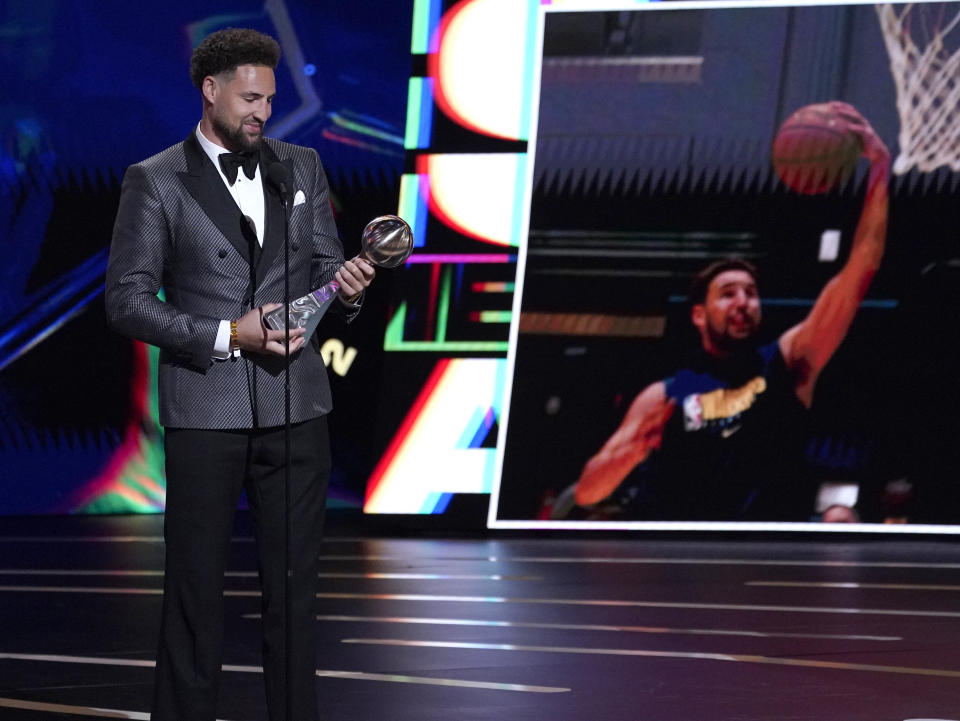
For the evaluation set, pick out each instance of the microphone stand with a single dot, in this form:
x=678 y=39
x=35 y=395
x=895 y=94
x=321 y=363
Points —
x=287 y=611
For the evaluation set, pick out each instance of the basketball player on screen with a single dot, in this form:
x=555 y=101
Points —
x=724 y=426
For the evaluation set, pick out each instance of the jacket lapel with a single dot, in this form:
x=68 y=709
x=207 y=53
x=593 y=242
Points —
x=274 y=227
x=206 y=186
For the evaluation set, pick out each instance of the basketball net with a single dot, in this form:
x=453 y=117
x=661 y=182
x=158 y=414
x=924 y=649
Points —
x=928 y=90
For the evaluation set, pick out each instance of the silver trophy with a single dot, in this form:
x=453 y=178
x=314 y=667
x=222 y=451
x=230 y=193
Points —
x=386 y=242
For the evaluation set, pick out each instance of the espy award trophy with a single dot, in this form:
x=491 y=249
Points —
x=386 y=242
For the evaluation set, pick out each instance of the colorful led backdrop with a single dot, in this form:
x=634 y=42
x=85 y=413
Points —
x=91 y=87
x=467 y=114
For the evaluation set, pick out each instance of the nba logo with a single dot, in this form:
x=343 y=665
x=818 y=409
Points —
x=692 y=413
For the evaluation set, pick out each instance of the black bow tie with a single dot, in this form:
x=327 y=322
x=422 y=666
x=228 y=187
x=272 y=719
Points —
x=231 y=163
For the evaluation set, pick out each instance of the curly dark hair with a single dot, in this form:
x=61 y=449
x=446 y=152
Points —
x=701 y=281
x=225 y=50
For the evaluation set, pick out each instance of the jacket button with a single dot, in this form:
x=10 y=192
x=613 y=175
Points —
x=222 y=253
x=295 y=247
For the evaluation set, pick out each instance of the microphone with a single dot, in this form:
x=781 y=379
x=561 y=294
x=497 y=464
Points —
x=279 y=177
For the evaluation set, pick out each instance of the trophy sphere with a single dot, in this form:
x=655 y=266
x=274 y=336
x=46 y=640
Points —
x=387 y=241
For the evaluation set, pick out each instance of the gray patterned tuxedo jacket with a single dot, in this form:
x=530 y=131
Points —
x=178 y=229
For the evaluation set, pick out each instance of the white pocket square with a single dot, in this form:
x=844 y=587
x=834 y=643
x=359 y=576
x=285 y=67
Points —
x=299 y=197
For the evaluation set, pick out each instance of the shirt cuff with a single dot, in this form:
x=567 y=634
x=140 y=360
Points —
x=221 y=346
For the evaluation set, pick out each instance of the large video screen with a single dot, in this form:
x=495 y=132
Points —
x=738 y=271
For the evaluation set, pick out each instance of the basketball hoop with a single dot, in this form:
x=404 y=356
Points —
x=927 y=77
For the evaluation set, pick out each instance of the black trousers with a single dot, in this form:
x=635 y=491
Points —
x=206 y=470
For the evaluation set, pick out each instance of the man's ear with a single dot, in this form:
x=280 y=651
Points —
x=209 y=88
x=698 y=316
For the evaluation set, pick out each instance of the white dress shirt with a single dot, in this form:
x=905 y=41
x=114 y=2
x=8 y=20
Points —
x=248 y=195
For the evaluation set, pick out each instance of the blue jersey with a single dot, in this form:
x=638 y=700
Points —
x=733 y=449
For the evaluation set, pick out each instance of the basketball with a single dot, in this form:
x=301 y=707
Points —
x=815 y=150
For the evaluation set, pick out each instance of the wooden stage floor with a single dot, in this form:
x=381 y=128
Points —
x=519 y=628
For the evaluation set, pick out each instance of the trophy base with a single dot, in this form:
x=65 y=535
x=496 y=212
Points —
x=304 y=312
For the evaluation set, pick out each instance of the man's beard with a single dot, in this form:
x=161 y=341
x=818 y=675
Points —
x=726 y=343
x=237 y=140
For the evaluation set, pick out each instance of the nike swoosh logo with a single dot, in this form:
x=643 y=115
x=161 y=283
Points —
x=727 y=432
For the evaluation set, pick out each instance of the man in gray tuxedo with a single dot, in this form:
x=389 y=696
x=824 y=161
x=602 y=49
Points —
x=203 y=221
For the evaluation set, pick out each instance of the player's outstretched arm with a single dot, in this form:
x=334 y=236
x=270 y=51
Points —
x=808 y=346
x=640 y=433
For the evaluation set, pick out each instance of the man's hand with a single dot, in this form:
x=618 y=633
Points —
x=254 y=337
x=874 y=149
x=354 y=276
